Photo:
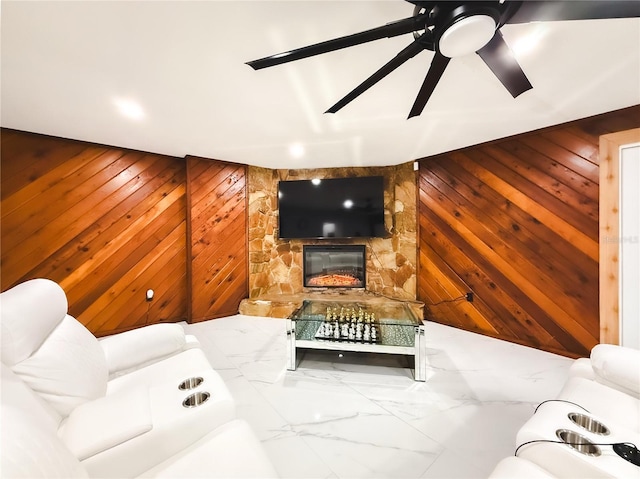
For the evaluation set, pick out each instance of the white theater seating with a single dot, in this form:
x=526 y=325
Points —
x=76 y=406
x=602 y=390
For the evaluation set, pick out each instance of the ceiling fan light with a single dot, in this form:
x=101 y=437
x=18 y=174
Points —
x=467 y=35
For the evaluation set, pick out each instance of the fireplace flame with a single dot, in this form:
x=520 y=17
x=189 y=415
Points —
x=335 y=279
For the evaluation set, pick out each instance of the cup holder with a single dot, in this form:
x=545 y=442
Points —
x=190 y=383
x=588 y=423
x=196 y=399
x=578 y=442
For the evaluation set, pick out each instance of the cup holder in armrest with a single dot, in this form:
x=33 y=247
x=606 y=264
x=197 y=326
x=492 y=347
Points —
x=190 y=383
x=588 y=423
x=578 y=442
x=196 y=399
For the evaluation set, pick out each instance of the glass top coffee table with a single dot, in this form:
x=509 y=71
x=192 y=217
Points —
x=376 y=327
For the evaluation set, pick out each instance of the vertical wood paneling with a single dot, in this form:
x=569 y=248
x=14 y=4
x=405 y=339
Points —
x=105 y=223
x=516 y=221
x=217 y=237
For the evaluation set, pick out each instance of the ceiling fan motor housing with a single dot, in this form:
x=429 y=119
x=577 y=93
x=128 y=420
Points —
x=464 y=28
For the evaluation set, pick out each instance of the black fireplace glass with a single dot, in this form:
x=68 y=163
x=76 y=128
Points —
x=334 y=266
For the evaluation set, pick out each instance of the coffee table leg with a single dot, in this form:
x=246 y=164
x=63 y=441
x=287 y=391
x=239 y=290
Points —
x=291 y=345
x=420 y=354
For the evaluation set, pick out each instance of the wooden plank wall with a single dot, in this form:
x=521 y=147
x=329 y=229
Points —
x=105 y=223
x=217 y=237
x=515 y=221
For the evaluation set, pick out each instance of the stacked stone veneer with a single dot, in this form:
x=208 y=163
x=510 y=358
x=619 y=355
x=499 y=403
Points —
x=275 y=266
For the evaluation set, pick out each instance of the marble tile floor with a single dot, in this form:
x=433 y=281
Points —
x=363 y=416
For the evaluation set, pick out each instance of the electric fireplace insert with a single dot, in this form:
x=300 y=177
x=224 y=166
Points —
x=334 y=266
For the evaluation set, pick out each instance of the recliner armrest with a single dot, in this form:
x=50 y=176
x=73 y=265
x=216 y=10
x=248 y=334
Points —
x=582 y=368
x=617 y=366
x=134 y=349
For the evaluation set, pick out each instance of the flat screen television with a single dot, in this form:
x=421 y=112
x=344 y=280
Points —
x=331 y=208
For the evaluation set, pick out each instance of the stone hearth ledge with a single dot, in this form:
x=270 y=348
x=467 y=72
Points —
x=282 y=305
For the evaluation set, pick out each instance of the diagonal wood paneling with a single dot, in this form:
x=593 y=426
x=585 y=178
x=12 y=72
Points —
x=106 y=223
x=516 y=222
x=217 y=237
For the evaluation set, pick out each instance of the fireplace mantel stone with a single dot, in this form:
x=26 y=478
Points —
x=282 y=305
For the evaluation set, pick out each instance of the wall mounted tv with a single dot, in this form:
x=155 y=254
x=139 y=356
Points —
x=331 y=208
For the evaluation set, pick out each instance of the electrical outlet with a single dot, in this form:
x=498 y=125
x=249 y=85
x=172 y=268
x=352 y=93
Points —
x=469 y=297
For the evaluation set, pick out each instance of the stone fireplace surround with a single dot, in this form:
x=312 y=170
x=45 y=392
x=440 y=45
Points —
x=275 y=266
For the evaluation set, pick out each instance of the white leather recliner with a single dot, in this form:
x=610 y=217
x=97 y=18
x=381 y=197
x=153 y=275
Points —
x=617 y=367
x=112 y=407
x=581 y=431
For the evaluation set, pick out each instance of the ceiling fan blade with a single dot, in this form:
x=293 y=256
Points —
x=406 y=54
x=437 y=68
x=399 y=27
x=551 y=10
x=500 y=59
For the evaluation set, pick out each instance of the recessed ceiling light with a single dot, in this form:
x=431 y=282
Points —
x=296 y=150
x=129 y=108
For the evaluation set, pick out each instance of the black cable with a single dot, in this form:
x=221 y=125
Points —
x=572 y=444
x=561 y=400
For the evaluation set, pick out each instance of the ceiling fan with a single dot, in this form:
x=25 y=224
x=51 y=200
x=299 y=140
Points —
x=456 y=28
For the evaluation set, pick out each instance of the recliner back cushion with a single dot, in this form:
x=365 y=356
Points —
x=28 y=314
x=617 y=366
x=68 y=369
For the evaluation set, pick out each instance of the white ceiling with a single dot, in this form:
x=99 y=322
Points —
x=65 y=65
